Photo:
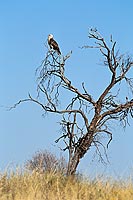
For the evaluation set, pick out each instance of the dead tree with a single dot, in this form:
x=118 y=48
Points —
x=85 y=120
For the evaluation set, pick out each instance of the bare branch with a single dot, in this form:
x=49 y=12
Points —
x=85 y=120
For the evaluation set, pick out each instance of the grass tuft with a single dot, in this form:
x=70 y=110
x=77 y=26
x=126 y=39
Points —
x=21 y=185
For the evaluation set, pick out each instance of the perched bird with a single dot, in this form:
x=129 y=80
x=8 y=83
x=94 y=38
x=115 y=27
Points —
x=53 y=44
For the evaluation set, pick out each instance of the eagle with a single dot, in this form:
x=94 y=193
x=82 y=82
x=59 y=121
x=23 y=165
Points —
x=53 y=44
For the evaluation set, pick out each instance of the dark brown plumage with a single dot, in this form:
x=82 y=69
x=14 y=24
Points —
x=53 y=44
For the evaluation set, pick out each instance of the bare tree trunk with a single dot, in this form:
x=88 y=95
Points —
x=72 y=165
x=84 y=145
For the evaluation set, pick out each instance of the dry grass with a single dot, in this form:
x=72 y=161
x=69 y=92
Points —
x=50 y=186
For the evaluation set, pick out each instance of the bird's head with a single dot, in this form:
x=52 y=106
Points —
x=50 y=36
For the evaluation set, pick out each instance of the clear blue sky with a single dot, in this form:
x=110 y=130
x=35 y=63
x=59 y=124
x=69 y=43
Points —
x=24 y=28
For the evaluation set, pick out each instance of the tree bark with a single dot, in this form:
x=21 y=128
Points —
x=82 y=148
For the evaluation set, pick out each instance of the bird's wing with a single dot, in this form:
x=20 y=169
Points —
x=55 y=46
x=54 y=43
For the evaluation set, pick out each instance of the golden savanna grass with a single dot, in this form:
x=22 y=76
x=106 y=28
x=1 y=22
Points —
x=51 y=186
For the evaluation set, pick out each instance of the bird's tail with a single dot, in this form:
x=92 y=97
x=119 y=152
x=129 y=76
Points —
x=58 y=51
